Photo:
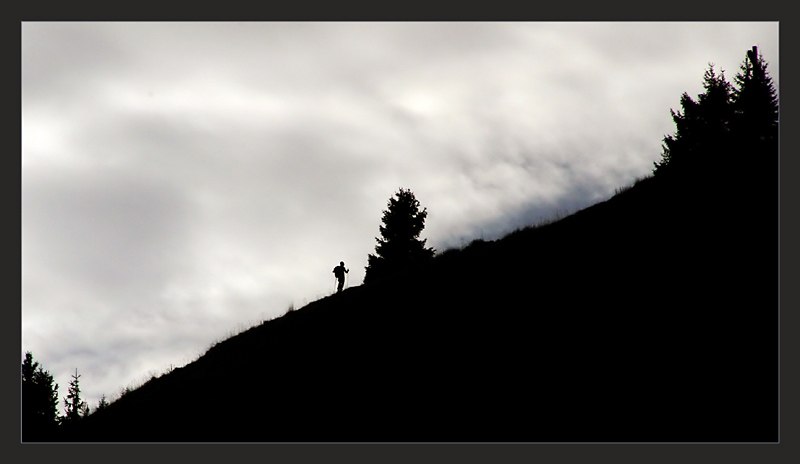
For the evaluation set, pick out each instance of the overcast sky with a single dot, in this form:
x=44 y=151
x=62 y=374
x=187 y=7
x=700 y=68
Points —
x=184 y=181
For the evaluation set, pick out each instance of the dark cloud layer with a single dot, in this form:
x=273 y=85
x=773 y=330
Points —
x=184 y=180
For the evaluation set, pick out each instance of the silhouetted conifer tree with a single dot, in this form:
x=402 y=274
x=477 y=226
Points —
x=102 y=404
x=399 y=246
x=729 y=130
x=39 y=402
x=74 y=406
x=755 y=102
x=703 y=127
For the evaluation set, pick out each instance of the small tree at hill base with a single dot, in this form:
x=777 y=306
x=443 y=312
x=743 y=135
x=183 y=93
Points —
x=74 y=406
x=399 y=246
x=39 y=402
x=102 y=404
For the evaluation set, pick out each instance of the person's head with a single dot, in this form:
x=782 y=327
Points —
x=341 y=263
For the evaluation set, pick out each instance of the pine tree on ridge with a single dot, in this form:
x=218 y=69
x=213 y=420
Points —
x=399 y=248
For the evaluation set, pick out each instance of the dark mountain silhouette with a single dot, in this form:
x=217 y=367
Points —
x=649 y=317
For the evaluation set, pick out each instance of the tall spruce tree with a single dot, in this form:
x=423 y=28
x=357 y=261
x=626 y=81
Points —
x=731 y=130
x=703 y=126
x=755 y=103
x=39 y=402
x=755 y=99
x=75 y=407
x=399 y=247
x=755 y=131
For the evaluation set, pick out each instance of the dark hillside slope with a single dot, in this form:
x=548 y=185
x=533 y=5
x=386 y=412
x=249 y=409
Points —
x=652 y=316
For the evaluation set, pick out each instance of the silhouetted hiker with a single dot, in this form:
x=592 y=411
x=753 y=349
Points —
x=339 y=272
